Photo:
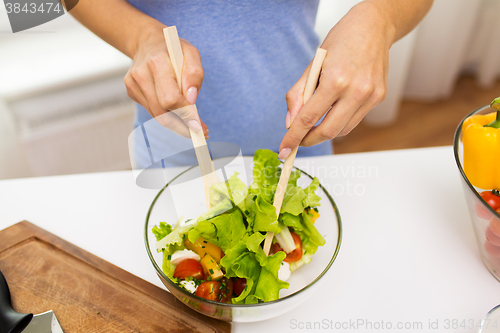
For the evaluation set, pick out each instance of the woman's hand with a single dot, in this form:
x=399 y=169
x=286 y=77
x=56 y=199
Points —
x=352 y=82
x=151 y=82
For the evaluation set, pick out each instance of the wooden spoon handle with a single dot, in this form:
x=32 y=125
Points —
x=312 y=82
x=200 y=144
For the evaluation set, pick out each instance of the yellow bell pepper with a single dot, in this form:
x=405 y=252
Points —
x=211 y=268
x=202 y=247
x=313 y=214
x=481 y=142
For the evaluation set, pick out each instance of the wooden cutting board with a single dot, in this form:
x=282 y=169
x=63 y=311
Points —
x=86 y=293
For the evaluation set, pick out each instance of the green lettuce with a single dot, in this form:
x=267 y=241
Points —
x=224 y=230
x=312 y=199
x=305 y=229
x=266 y=174
x=233 y=189
x=248 y=260
x=239 y=221
x=163 y=230
x=268 y=285
x=264 y=216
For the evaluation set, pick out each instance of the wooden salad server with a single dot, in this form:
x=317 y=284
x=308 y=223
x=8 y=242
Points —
x=312 y=82
x=200 y=145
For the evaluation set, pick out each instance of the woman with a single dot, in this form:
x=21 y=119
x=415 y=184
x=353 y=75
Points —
x=242 y=58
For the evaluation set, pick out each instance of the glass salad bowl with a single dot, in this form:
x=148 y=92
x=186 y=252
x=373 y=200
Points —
x=485 y=220
x=184 y=196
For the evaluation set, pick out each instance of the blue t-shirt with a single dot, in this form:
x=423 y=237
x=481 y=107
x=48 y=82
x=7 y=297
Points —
x=252 y=52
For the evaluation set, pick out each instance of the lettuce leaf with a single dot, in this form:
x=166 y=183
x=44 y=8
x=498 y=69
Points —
x=247 y=260
x=265 y=218
x=176 y=236
x=266 y=174
x=310 y=236
x=161 y=231
x=233 y=189
x=224 y=230
x=223 y=206
x=247 y=267
x=305 y=229
x=268 y=285
x=294 y=176
x=294 y=200
x=312 y=199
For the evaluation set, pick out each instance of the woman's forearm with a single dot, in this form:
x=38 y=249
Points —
x=150 y=80
x=404 y=15
x=116 y=22
x=354 y=73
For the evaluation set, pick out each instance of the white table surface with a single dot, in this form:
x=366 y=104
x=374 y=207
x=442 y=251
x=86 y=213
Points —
x=408 y=261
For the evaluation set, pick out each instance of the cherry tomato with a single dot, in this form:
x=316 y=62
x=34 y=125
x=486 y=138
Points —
x=187 y=268
x=495 y=225
x=482 y=211
x=492 y=237
x=492 y=249
x=295 y=254
x=239 y=285
x=219 y=291
x=491 y=199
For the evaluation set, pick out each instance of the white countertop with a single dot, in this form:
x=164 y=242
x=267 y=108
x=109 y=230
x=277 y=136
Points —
x=408 y=258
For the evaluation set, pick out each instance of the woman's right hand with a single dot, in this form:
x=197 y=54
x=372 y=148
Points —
x=151 y=82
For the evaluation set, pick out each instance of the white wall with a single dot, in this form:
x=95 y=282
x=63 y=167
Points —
x=39 y=62
x=13 y=163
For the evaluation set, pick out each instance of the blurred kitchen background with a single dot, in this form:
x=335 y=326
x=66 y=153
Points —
x=64 y=107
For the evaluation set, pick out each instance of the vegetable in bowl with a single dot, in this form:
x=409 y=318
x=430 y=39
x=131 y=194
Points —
x=219 y=255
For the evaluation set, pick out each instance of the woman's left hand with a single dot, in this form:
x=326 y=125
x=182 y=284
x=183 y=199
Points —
x=352 y=82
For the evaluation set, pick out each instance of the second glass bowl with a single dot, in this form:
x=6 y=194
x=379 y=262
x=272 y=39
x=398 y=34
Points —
x=484 y=218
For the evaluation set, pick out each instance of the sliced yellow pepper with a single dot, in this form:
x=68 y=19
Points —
x=202 y=247
x=211 y=268
x=313 y=214
x=481 y=141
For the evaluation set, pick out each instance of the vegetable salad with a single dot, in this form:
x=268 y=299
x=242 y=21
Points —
x=219 y=255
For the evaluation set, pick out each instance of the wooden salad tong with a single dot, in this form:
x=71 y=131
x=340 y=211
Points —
x=200 y=145
x=312 y=82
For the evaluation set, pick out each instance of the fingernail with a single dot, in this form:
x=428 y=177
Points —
x=287 y=120
x=284 y=153
x=194 y=125
x=191 y=95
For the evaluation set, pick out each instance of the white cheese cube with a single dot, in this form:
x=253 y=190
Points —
x=284 y=271
x=179 y=256
x=189 y=285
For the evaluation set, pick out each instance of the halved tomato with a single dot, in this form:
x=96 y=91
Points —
x=219 y=291
x=188 y=267
x=239 y=285
x=295 y=254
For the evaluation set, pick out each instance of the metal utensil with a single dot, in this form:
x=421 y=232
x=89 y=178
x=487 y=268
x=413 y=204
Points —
x=12 y=321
